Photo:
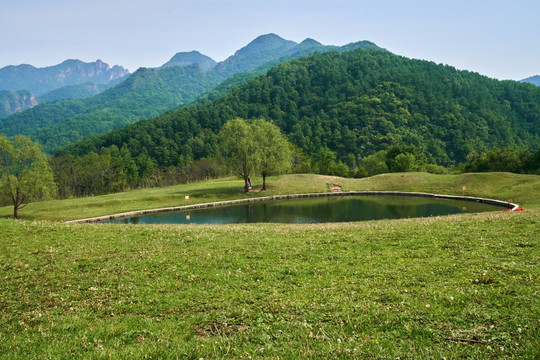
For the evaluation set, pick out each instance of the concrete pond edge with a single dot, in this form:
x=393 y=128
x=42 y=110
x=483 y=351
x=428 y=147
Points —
x=508 y=205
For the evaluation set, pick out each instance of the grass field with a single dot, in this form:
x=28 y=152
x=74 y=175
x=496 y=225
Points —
x=464 y=286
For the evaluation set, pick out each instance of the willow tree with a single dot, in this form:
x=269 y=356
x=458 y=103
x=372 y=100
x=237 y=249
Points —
x=25 y=174
x=275 y=154
x=237 y=149
x=257 y=147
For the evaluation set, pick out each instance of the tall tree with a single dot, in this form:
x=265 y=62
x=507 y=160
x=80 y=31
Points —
x=25 y=174
x=238 y=150
x=275 y=152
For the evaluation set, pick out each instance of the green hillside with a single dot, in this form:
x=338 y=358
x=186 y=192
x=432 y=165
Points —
x=355 y=103
x=12 y=102
x=305 y=48
x=80 y=91
x=150 y=92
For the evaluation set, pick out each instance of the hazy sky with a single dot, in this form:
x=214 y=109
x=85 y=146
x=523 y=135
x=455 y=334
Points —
x=500 y=39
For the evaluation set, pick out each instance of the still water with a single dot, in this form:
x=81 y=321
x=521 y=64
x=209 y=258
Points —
x=315 y=210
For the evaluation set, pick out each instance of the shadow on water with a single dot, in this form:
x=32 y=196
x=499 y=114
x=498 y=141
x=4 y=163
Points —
x=316 y=210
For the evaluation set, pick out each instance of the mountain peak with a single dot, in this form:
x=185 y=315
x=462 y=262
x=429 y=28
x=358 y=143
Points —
x=268 y=38
x=189 y=58
x=259 y=51
x=268 y=42
x=310 y=42
x=364 y=44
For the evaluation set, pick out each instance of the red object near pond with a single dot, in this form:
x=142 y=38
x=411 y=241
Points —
x=518 y=209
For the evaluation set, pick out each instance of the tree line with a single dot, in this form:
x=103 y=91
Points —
x=244 y=149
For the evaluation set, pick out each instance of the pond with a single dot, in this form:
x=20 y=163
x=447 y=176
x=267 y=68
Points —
x=316 y=210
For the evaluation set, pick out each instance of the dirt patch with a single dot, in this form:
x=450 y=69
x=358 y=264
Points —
x=335 y=188
x=216 y=328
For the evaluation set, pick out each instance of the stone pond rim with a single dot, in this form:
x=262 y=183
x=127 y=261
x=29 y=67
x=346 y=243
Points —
x=508 y=205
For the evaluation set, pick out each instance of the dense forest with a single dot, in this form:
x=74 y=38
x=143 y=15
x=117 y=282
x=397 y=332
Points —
x=348 y=106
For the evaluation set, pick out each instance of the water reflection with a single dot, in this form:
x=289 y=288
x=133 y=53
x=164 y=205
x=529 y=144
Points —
x=316 y=210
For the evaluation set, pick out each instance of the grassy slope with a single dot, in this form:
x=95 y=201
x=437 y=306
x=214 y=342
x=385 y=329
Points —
x=458 y=286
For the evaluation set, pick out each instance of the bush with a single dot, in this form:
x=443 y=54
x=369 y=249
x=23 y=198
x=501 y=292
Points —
x=435 y=169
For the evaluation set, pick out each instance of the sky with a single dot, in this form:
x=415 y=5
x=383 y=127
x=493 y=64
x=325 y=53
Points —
x=499 y=39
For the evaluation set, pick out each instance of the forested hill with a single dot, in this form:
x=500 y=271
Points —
x=354 y=103
x=150 y=92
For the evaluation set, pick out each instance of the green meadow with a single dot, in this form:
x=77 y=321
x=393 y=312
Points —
x=461 y=286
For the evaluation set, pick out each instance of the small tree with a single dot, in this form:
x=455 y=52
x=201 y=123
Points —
x=25 y=174
x=275 y=152
x=237 y=149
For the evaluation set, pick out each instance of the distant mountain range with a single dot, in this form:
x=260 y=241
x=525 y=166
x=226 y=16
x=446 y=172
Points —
x=151 y=92
x=533 y=80
x=39 y=81
x=25 y=86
